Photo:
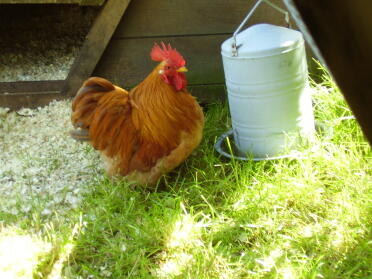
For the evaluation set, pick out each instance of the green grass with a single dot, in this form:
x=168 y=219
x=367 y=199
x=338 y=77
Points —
x=308 y=217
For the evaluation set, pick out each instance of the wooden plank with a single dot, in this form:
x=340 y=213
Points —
x=179 y=17
x=342 y=32
x=15 y=95
x=80 y=2
x=95 y=44
x=22 y=87
x=28 y=100
x=209 y=93
x=203 y=93
x=127 y=61
x=91 y=2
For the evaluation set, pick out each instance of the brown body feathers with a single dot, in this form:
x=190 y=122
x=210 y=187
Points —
x=141 y=134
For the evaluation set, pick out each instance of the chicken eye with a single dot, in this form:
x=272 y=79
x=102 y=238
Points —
x=168 y=67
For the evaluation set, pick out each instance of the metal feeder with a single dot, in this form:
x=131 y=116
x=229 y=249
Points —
x=267 y=83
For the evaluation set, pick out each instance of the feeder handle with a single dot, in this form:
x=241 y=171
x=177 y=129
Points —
x=234 y=46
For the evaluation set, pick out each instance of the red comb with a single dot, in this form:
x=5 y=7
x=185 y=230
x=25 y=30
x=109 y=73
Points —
x=167 y=53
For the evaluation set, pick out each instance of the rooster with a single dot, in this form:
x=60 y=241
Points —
x=146 y=132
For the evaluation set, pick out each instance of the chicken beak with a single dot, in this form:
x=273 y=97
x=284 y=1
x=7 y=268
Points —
x=182 y=69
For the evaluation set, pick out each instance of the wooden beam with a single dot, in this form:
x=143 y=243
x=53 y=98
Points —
x=94 y=45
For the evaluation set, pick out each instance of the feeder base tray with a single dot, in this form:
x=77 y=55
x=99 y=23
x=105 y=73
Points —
x=222 y=147
x=321 y=129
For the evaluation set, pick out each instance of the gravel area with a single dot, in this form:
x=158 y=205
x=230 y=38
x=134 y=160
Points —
x=41 y=168
x=40 y=42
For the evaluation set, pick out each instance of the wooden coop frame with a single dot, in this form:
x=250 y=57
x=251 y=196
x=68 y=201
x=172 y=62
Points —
x=37 y=93
x=196 y=28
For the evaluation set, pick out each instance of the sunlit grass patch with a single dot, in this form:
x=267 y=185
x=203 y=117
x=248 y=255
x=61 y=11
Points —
x=36 y=254
x=20 y=253
x=304 y=217
x=183 y=237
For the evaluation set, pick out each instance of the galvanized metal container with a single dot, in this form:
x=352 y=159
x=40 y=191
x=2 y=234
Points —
x=267 y=82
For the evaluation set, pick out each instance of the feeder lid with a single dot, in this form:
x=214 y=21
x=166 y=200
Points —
x=263 y=40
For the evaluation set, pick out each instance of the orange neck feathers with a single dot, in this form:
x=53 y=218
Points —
x=159 y=111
